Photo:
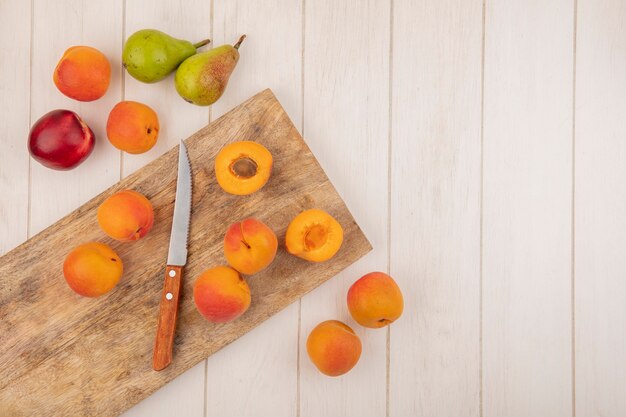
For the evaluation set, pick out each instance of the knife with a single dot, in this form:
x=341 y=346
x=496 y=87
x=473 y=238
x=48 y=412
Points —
x=176 y=260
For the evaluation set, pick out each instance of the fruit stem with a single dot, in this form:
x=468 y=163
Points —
x=236 y=46
x=202 y=43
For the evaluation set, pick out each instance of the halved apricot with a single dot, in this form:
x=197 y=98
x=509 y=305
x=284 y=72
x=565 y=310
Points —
x=243 y=167
x=314 y=235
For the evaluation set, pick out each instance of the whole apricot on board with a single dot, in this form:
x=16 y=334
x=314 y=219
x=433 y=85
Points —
x=221 y=294
x=243 y=167
x=132 y=127
x=83 y=73
x=375 y=300
x=333 y=347
x=126 y=216
x=314 y=235
x=250 y=246
x=92 y=269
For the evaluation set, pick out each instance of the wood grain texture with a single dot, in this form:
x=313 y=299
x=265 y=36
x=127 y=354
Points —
x=346 y=88
x=183 y=19
x=527 y=217
x=435 y=207
x=263 y=367
x=15 y=25
x=600 y=209
x=67 y=355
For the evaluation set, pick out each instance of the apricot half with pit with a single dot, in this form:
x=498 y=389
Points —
x=314 y=235
x=250 y=246
x=126 y=216
x=92 y=269
x=243 y=167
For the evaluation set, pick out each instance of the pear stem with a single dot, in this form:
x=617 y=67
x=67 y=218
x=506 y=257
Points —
x=236 y=46
x=202 y=43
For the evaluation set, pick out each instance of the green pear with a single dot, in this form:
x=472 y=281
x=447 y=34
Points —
x=150 y=55
x=202 y=78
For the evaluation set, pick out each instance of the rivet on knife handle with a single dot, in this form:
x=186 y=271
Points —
x=168 y=310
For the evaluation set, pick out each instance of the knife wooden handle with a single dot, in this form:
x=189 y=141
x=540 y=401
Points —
x=164 y=341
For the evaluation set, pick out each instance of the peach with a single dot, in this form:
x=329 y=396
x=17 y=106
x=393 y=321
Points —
x=314 y=235
x=250 y=246
x=375 y=300
x=221 y=294
x=126 y=216
x=132 y=127
x=92 y=269
x=333 y=347
x=83 y=73
x=243 y=167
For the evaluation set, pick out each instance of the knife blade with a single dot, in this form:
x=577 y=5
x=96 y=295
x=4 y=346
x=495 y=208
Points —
x=176 y=260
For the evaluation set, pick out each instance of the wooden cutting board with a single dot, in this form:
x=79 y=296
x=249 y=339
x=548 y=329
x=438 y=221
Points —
x=64 y=355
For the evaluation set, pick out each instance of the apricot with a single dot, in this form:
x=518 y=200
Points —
x=132 y=127
x=92 y=269
x=250 y=246
x=375 y=300
x=221 y=294
x=243 y=167
x=314 y=235
x=333 y=347
x=126 y=216
x=83 y=73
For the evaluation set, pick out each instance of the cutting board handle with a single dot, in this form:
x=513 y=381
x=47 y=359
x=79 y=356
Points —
x=168 y=310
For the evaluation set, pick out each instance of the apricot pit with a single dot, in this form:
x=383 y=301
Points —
x=243 y=167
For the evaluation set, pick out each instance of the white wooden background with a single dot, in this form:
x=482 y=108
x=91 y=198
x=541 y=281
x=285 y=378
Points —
x=481 y=145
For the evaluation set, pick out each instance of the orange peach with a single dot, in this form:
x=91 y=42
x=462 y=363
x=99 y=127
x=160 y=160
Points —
x=132 y=127
x=333 y=347
x=375 y=300
x=83 y=73
x=221 y=294
x=92 y=269
x=250 y=246
x=314 y=235
x=243 y=167
x=126 y=215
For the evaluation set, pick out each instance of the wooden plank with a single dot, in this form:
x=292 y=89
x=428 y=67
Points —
x=435 y=207
x=68 y=355
x=57 y=26
x=346 y=123
x=190 y=20
x=600 y=204
x=15 y=25
x=264 y=364
x=527 y=216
